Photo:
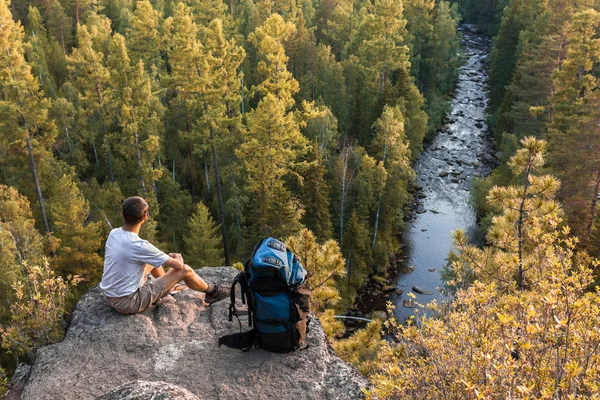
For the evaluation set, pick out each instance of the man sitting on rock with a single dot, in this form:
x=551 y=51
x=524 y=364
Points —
x=127 y=257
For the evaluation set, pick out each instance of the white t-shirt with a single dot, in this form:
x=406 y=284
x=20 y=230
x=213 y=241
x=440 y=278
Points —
x=125 y=259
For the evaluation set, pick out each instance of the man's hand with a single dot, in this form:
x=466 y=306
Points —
x=175 y=261
x=176 y=256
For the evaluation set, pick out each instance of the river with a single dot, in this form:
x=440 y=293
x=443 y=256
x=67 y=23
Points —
x=460 y=152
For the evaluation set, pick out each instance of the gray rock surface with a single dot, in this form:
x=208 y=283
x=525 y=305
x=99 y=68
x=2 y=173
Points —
x=18 y=381
x=175 y=342
x=144 y=390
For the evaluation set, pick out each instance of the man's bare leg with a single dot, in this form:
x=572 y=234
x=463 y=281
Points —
x=156 y=272
x=186 y=274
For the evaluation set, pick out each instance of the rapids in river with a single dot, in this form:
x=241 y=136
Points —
x=460 y=152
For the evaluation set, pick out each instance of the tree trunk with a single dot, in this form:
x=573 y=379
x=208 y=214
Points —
x=96 y=157
x=349 y=269
x=110 y=168
x=378 y=203
x=344 y=156
x=521 y=277
x=139 y=162
x=62 y=40
x=77 y=11
x=592 y=214
x=220 y=200
x=376 y=224
x=192 y=173
x=206 y=177
x=242 y=95
x=37 y=183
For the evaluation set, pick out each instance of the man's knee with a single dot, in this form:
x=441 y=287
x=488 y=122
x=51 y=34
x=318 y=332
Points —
x=187 y=270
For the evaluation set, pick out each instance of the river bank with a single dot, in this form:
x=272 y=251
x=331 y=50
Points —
x=461 y=151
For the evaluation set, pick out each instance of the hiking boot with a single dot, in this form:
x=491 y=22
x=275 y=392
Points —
x=219 y=292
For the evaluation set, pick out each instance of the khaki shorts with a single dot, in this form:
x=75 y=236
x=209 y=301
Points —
x=139 y=300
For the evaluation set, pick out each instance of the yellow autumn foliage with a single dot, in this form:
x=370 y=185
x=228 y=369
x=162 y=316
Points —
x=523 y=323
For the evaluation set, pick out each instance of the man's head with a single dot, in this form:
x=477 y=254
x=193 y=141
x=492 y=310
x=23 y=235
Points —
x=135 y=210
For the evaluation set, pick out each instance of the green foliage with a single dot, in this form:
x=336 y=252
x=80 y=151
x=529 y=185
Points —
x=19 y=242
x=38 y=313
x=362 y=348
x=202 y=241
x=323 y=262
x=485 y=13
x=573 y=129
x=518 y=16
x=315 y=193
x=80 y=240
x=554 y=49
x=479 y=191
x=434 y=48
x=528 y=210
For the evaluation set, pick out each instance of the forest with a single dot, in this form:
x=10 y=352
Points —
x=302 y=120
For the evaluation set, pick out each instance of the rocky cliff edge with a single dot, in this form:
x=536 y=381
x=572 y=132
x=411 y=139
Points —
x=170 y=352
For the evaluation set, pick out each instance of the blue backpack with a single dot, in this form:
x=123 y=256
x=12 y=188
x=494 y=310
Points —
x=274 y=286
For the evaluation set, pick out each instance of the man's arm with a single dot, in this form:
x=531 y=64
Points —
x=175 y=261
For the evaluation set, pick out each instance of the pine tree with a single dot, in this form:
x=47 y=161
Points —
x=391 y=147
x=527 y=209
x=382 y=32
x=343 y=174
x=574 y=130
x=189 y=77
x=276 y=79
x=202 y=242
x=139 y=113
x=80 y=239
x=273 y=142
x=323 y=131
x=324 y=264
x=143 y=37
x=221 y=121
x=87 y=67
x=518 y=16
x=272 y=146
x=358 y=256
x=38 y=50
x=340 y=25
x=315 y=195
x=60 y=26
x=24 y=111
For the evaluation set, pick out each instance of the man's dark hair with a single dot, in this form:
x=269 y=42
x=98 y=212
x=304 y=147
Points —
x=133 y=209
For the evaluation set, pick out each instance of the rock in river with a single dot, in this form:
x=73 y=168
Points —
x=409 y=303
x=388 y=289
x=417 y=289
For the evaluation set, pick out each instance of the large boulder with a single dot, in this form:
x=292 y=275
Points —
x=171 y=351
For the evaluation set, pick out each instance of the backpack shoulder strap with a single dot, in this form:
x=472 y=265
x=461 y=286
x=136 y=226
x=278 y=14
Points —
x=242 y=279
